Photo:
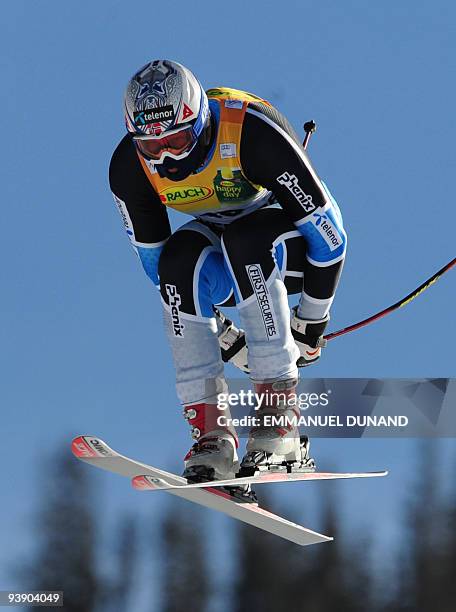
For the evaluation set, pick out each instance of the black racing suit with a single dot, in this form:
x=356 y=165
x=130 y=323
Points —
x=295 y=243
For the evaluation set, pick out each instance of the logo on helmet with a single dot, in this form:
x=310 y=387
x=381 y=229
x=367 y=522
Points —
x=186 y=112
x=152 y=115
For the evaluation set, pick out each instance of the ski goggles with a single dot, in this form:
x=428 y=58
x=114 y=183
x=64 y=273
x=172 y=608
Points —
x=176 y=144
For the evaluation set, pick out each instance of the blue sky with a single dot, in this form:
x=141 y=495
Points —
x=82 y=344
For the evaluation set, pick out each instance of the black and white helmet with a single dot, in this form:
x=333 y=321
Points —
x=166 y=110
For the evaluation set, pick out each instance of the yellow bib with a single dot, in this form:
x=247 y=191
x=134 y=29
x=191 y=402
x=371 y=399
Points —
x=220 y=191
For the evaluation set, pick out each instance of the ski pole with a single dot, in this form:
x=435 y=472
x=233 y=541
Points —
x=309 y=128
x=403 y=302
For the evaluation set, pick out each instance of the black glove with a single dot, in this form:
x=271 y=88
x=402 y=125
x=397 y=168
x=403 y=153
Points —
x=308 y=336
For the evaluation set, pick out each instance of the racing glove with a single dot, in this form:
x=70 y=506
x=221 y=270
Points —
x=308 y=336
x=231 y=341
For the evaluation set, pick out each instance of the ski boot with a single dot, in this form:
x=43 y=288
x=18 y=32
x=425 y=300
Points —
x=214 y=454
x=275 y=444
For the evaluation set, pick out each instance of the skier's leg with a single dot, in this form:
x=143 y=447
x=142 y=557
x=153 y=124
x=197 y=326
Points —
x=260 y=292
x=192 y=278
x=257 y=258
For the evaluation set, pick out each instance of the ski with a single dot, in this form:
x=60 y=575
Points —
x=94 y=451
x=147 y=482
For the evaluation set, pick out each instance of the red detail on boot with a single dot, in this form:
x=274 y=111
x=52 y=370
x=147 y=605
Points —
x=283 y=430
x=205 y=419
x=189 y=454
x=271 y=398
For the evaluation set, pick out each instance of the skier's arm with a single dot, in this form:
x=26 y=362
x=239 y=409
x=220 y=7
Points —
x=143 y=214
x=272 y=156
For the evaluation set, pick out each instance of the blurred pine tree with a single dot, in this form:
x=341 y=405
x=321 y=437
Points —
x=65 y=536
x=186 y=580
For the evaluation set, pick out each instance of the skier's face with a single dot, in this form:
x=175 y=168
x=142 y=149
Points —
x=179 y=169
x=175 y=145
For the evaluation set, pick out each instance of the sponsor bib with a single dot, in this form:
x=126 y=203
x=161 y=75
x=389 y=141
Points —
x=220 y=189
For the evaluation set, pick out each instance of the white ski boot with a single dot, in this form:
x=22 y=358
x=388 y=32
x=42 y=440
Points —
x=214 y=454
x=212 y=458
x=275 y=444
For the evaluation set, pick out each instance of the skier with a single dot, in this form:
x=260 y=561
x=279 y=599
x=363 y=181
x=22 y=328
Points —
x=265 y=225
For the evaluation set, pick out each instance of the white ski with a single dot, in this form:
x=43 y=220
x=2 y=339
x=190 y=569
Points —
x=94 y=451
x=260 y=478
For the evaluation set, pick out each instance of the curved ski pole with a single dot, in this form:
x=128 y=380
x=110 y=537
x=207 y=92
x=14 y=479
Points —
x=309 y=128
x=403 y=302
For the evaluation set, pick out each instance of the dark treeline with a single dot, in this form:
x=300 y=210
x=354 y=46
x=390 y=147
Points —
x=68 y=555
x=266 y=574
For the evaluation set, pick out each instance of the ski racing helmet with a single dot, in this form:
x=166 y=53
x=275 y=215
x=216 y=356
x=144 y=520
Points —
x=167 y=113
